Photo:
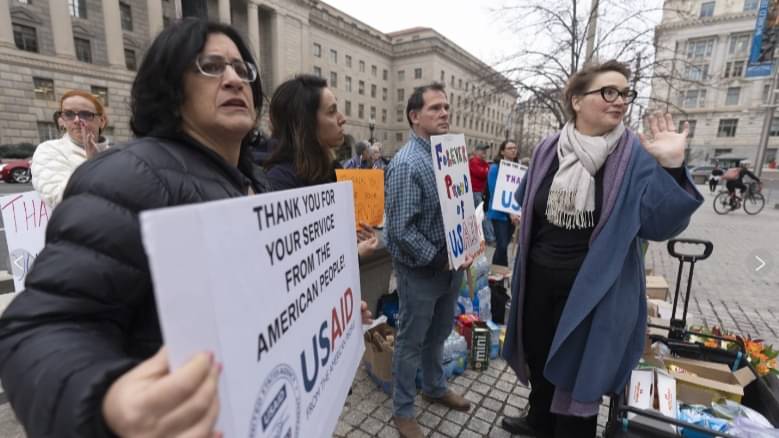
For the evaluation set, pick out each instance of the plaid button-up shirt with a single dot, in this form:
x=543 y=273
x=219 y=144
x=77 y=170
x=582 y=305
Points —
x=414 y=225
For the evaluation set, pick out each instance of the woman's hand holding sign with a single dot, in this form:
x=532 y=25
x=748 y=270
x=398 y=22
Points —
x=152 y=401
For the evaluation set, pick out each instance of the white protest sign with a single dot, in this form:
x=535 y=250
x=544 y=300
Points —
x=509 y=176
x=453 y=180
x=270 y=284
x=25 y=216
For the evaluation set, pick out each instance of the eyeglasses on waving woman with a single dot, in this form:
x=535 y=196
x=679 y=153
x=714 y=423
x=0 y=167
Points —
x=610 y=94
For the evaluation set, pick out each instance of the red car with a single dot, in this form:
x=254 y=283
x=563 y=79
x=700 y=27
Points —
x=16 y=171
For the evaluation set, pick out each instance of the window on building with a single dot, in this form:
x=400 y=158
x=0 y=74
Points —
x=739 y=45
x=373 y=91
x=348 y=108
x=727 y=128
x=693 y=99
x=707 y=9
x=401 y=95
x=349 y=61
x=361 y=111
x=460 y=84
x=334 y=56
x=126 y=14
x=25 y=37
x=317 y=50
x=750 y=5
x=398 y=136
x=457 y=120
x=451 y=81
x=385 y=74
x=417 y=73
x=700 y=48
x=773 y=131
x=399 y=115
x=401 y=75
x=734 y=69
x=334 y=79
x=733 y=95
x=373 y=113
x=385 y=136
x=101 y=93
x=43 y=88
x=384 y=115
x=374 y=71
x=349 y=84
x=692 y=124
x=129 y=59
x=362 y=66
x=317 y=71
x=361 y=87
x=78 y=8
x=24 y=2
x=770 y=155
x=443 y=75
x=384 y=94
x=47 y=131
x=722 y=151
x=83 y=49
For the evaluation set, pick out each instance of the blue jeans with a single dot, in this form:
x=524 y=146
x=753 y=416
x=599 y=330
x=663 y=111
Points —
x=486 y=225
x=503 y=232
x=425 y=320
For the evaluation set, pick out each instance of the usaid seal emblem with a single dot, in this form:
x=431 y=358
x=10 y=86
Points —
x=277 y=409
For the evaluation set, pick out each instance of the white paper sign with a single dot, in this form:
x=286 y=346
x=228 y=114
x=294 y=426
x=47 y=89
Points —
x=453 y=180
x=25 y=216
x=270 y=284
x=509 y=176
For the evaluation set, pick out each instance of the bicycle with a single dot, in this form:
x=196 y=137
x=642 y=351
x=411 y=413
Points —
x=752 y=201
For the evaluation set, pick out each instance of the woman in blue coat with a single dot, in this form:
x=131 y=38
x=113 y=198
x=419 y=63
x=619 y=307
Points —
x=502 y=223
x=592 y=194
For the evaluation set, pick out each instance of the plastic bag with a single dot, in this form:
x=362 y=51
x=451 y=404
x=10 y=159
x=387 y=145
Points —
x=744 y=426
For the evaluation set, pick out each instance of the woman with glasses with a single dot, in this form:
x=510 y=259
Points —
x=82 y=117
x=502 y=223
x=592 y=194
x=80 y=348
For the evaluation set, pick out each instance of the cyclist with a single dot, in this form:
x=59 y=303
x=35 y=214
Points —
x=738 y=182
x=716 y=173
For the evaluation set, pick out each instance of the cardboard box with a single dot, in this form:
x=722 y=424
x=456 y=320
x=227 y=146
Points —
x=379 y=348
x=656 y=287
x=640 y=389
x=703 y=382
x=480 y=346
x=655 y=390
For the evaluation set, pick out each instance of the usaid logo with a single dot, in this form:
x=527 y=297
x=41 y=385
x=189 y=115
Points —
x=276 y=411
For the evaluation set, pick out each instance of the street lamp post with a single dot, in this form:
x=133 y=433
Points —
x=371 y=126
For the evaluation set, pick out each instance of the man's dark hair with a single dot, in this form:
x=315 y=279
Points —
x=417 y=101
x=580 y=81
x=158 y=89
x=361 y=147
x=293 y=116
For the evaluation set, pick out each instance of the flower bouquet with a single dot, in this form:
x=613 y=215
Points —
x=761 y=355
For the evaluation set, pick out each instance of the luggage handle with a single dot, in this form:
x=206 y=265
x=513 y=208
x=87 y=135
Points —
x=708 y=249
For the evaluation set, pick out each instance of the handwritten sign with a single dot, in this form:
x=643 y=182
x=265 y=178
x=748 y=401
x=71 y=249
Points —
x=271 y=286
x=453 y=180
x=368 y=193
x=509 y=176
x=25 y=216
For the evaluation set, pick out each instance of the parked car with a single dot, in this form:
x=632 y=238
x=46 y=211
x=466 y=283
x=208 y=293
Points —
x=700 y=174
x=16 y=171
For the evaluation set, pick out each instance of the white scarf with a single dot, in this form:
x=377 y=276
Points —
x=571 y=203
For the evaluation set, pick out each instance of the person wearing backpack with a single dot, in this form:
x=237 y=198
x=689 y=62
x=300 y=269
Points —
x=734 y=178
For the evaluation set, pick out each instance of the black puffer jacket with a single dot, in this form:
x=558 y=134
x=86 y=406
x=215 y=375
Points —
x=88 y=312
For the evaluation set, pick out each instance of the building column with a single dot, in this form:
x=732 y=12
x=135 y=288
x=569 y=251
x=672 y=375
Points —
x=154 y=11
x=62 y=29
x=252 y=16
x=6 y=29
x=278 y=47
x=224 y=11
x=113 y=39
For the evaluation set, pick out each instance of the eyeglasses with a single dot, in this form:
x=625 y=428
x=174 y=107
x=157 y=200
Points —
x=610 y=94
x=86 y=116
x=214 y=66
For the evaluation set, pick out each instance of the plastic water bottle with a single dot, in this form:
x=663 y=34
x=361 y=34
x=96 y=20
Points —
x=485 y=306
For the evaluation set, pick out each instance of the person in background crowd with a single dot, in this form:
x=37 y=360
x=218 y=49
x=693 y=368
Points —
x=591 y=197
x=427 y=288
x=479 y=168
x=714 y=178
x=383 y=161
x=376 y=161
x=80 y=348
x=83 y=118
x=361 y=158
x=261 y=146
x=309 y=127
x=502 y=223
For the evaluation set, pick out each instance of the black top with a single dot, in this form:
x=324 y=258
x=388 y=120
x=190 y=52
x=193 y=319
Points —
x=717 y=172
x=555 y=247
x=283 y=176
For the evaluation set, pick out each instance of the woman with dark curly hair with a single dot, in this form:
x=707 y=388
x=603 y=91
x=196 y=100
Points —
x=80 y=348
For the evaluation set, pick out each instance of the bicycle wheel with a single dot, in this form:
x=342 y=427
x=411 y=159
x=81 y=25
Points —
x=722 y=203
x=754 y=204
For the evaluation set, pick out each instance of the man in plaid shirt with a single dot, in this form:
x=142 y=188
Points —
x=427 y=287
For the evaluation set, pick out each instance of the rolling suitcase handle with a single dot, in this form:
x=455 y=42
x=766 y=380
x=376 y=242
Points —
x=678 y=326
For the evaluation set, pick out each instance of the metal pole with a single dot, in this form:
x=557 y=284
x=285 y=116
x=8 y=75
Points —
x=769 y=117
x=592 y=31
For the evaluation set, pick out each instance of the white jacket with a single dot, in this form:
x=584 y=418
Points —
x=52 y=164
